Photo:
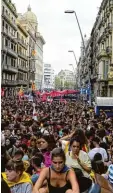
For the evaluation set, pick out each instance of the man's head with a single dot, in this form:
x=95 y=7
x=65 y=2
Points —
x=96 y=141
x=18 y=155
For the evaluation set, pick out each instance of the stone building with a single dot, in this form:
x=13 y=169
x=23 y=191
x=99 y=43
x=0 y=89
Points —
x=9 y=56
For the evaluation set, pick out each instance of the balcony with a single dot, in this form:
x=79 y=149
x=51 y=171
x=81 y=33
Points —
x=99 y=23
x=103 y=78
x=99 y=39
x=110 y=27
x=10 y=68
x=12 y=52
x=23 y=56
x=22 y=68
x=105 y=16
x=111 y=5
x=107 y=11
x=9 y=51
x=103 y=21
x=109 y=50
x=101 y=54
x=22 y=82
x=106 y=32
x=9 y=82
x=22 y=43
x=9 y=20
x=7 y=33
x=11 y=7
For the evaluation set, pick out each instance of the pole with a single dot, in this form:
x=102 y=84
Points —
x=75 y=57
x=85 y=56
x=80 y=30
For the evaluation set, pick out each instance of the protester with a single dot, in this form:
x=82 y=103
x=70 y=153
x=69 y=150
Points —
x=16 y=178
x=77 y=158
x=30 y=138
x=59 y=177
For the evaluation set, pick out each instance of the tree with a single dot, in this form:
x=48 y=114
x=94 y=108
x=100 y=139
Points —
x=57 y=82
x=68 y=85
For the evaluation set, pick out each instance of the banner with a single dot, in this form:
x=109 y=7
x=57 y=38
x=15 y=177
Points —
x=57 y=93
x=2 y=92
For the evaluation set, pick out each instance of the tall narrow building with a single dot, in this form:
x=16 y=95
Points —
x=35 y=47
x=9 y=56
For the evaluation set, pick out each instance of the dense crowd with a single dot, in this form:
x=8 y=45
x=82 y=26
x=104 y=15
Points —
x=61 y=150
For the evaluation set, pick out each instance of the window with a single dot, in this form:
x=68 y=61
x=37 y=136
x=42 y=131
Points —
x=14 y=62
x=3 y=9
x=3 y=23
x=7 y=27
x=2 y=58
x=6 y=42
x=12 y=46
x=6 y=60
x=11 y=61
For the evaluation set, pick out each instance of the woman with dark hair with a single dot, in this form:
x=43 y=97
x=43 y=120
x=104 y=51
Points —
x=59 y=177
x=46 y=145
x=77 y=158
x=98 y=164
x=79 y=133
x=18 y=180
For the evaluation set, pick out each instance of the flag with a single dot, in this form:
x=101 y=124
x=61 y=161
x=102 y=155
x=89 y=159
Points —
x=21 y=92
x=33 y=86
x=33 y=53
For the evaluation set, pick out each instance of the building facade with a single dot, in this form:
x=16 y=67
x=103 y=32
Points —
x=9 y=56
x=22 y=76
x=49 y=77
x=98 y=60
x=66 y=79
x=35 y=44
x=39 y=61
x=19 y=54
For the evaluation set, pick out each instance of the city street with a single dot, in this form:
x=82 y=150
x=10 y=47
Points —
x=57 y=96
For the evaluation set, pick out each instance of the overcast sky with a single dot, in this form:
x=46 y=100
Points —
x=60 y=30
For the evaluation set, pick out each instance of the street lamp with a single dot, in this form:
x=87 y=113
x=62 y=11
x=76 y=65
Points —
x=72 y=67
x=71 y=51
x=74 y=73
x=71 y=12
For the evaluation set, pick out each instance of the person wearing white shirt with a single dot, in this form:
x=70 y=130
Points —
x=97 y=149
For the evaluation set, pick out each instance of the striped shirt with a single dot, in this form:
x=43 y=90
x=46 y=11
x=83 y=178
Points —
x=110 y=176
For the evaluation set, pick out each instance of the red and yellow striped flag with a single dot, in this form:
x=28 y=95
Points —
x=21 y=92
x=33 y=86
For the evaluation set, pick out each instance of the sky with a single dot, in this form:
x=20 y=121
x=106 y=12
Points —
x=60 y=30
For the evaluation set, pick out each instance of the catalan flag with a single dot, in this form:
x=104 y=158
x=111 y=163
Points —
x=33 y=53
x=33 y=86
x=21 y=92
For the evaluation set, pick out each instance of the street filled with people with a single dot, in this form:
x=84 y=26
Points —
x=55 y=147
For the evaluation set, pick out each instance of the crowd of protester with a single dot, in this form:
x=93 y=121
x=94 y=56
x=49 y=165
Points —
x=59 y=151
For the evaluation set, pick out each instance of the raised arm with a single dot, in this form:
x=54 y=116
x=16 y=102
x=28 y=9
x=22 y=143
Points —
x=73 y=181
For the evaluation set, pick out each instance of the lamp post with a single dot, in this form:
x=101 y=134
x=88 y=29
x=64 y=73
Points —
x=71 y=51
x=71 y=12
x=74 y=74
